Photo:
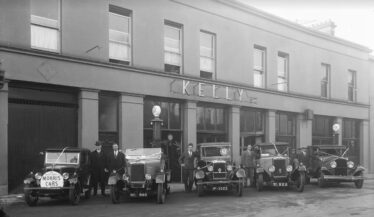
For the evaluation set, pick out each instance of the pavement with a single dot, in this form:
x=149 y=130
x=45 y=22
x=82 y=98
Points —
x=13 y=199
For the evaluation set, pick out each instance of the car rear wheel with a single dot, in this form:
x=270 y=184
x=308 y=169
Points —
x=260 y=182
x=161 y=193
x=75 y=195
x=30 y=198
x=200 y=189
x=300 y=182
x=321 y=180
x=359 y=183
x=114 y=194
x=239 y=188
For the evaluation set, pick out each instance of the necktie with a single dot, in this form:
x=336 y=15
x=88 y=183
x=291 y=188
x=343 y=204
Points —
x=190 y=153
x=115 y=154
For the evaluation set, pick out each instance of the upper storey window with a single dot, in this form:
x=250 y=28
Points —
x=282 y=81
x=45 y=25
x=352 y=85
x=325 y=81
x=119 y=35
x=207 y=55
x=173 y=47
x=259 y=67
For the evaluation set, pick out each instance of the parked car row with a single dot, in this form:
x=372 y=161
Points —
x=66 y=172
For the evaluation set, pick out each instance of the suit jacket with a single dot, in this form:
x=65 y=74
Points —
x=98 y=161
x=248 y=159
x=116 y=163
x=187 y=160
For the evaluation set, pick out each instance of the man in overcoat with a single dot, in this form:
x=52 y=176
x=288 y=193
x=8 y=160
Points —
x=116 y=160
x=98 y=169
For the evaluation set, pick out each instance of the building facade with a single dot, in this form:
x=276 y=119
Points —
x=81 y=71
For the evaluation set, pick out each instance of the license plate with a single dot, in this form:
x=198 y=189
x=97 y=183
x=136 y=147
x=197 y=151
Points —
x=51 y=179
x=220 y=188
x=280 y=184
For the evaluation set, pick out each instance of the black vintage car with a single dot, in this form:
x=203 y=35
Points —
x=329 y=163
x=66 y=173
x=275 y=167
x=144 y=176
x=216 y=170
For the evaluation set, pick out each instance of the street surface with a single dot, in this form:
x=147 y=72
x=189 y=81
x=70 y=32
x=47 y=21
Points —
x=337 y=200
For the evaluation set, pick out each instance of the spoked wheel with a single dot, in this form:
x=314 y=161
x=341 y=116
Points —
x=321 y=180
x=260 y=182
x=300 y=182
x=114 y=194
x=161 y=193
x=75 y=194
x=239 y=188
x=307 y=179
x=200 y=189
x=30 y=198
x=359 y=183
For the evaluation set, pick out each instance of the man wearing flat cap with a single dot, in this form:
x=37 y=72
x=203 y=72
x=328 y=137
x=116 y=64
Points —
x=99 y=170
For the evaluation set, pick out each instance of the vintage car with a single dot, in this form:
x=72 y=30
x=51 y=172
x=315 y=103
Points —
x=144 y=176
x=66 y=173
x=275 y=167
x=329 y=163
x=216 y=170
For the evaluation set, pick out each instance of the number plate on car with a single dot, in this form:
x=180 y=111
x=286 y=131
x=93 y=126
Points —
x=51 y=179
x=280 y=184
x=219 y=188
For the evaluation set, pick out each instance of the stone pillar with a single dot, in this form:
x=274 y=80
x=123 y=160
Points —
x=270 y=126
x=303 y=131
x=339 y=120
x=189 y=124
x=364 y=145
x=234 y=132
x=88 y=118
x=131 y=117
x=4 y=140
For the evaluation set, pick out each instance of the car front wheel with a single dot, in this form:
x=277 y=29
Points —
x=200 y=189
x=75 y=194
x=260 y=182
x=30 y=198
x=161 y=193
x=359 y=183
x=300 y=182
x=114 y=194
x=239 y=188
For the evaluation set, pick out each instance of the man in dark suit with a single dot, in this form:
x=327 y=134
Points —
x=116 y=160
x=98 y=168
x=248 y=161
x=188 y=161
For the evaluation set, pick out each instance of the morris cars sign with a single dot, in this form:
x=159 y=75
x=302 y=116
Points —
x=51 y=179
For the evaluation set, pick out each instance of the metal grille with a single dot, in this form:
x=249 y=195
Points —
x=280 y=167
x=219 y=171
x=137 y=172
x=341 y=167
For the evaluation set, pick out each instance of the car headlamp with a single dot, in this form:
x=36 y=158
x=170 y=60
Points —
x=289 y=168
x=198 y=168
x=114 y=171
x=148 y=176
x=333 y=164
x=125 y=177
x=210 y=168
x=38 y=176
x=350 y=164
x=229 y=167
x=272 y=168
x=199 y=174
x=65 y=175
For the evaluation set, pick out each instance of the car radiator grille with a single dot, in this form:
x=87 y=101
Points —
x=137 y=172
x=280 y=167
x=219 y=171
x=341 y=167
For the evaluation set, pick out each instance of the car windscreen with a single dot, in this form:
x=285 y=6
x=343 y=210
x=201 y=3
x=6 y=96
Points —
x=269 y=150
x=214 y=151
x=136 y=154
x=62 y=157
x=331 y=151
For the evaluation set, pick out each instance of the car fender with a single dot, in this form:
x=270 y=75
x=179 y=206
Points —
x=199 y=174
x=324 y=169
x=160 y=178
x=359 y=169
x=240 y=173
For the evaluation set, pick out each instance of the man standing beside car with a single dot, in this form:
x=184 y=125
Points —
x=188 y=160
x=99 y=170
x=116 y=160
x=248 y=162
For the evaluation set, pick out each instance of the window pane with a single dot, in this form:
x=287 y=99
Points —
x=200 y=118
x=172 y=58
x=206 y=44
x=118 y=36
x=44 y=38
x=281 y=66
x=119 y=51
x=119 y=22
x=258 y=59
x=175 y=117
x=206 y=64
x=282 y=84
x=108 y=113
x=258 y=79
x=48 y=9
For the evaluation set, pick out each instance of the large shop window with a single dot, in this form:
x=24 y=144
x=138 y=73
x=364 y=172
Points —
x=108 y=119
x=252 y=127
x=285 y=127
x=119 y=35
x=322 y=130
x=351 y=135
x=173 y=47
x=45 y=25
x=211 y=124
